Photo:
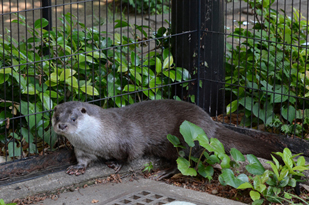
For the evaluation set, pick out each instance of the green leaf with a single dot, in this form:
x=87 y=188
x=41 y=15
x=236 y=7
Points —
x=49 y=136
x=28 y=109
x=120 y=24
x=301 y=161
x=275 y=169
x=66 y=74
x=245 y=185
x=174 y=140
x=232 y=107
x=237 y=155
x=170 y=74
x=72 y=81
x=217 y=146
x=203 y=140
x=90 y=90
x=130 y=88
x=287 y=157
x=206 y=172
x=184 y=167
x=229 y=178
x=47 y=101
x=14 y=151
x=135 y=75
x=288 y=113
x=212 y=159
x=225 y=160
x=254 y=167
x=190 y=132
x=29 y=139
x=167 y=63
x=3 y=78
x=135 y=59
x=40 y=23
x=254 y=195
x=158 y=65
x=246 y=102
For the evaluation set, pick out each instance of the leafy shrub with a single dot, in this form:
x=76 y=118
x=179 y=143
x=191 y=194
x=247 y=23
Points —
x=149 y=6
x=264 y=184
x=269 y=69
x=83 y=63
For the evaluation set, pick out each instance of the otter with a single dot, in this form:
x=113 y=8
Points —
x=119 y=135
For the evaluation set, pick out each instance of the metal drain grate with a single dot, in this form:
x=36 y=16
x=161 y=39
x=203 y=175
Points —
x=141 y=198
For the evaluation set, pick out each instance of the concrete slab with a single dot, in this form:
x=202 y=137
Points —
x=141 y=191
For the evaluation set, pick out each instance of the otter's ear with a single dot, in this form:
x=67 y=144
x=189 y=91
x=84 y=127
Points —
x=83 y=110
x=55 y=109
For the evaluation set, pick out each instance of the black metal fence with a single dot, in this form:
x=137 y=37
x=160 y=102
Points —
x=244 y=62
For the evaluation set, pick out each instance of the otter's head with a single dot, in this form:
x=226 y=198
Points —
x=68 y=117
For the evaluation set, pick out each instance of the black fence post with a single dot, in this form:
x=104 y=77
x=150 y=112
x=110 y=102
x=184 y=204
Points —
x=47 y=14
x=201 y=49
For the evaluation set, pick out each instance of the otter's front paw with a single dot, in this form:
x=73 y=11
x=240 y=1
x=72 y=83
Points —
x=76 y=170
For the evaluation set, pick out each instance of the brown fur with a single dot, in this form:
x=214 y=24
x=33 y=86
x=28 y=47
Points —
x=140 y=129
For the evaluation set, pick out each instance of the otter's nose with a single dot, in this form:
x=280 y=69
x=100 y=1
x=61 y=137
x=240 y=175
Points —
x=62 y=126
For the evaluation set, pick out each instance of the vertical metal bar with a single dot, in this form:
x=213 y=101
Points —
x=199 y=25
x=47 y=13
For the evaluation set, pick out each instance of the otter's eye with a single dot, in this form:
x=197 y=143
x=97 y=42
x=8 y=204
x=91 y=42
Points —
x=57 y=118
x=73 y=119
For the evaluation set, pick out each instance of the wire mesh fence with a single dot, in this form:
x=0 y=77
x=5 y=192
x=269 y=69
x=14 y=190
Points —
x=244 y=62
x=111 y=53
x=266 y=65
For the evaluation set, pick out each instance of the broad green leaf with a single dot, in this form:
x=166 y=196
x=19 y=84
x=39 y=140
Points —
x=6 y=70
x=170 y=74
x=254 y=167
x=167 y=63
x=174 y=140
x=66 y=74
x=72 y=81
x=212 y=159
x=49 y=136
x=120 y=24
x=90 y=90
x=182 y=74
x=47 y=101
x=206 y=172
x=184 y=167
x=117 y=38
x=135 y=59
x=217 y=145
x=232 y=107
x=301 y=161
x=237 y=155
x=246 y=102
x=28 y=109
x=230 y=179
x=190 y=132
x=288 y=113
x=130 y=88
x=254 y=195
x=245 y=185
x=135 y=75
x=97 y=54
x=203 y=140
x=14 y=151
x=225 y=160
x=287 y=157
